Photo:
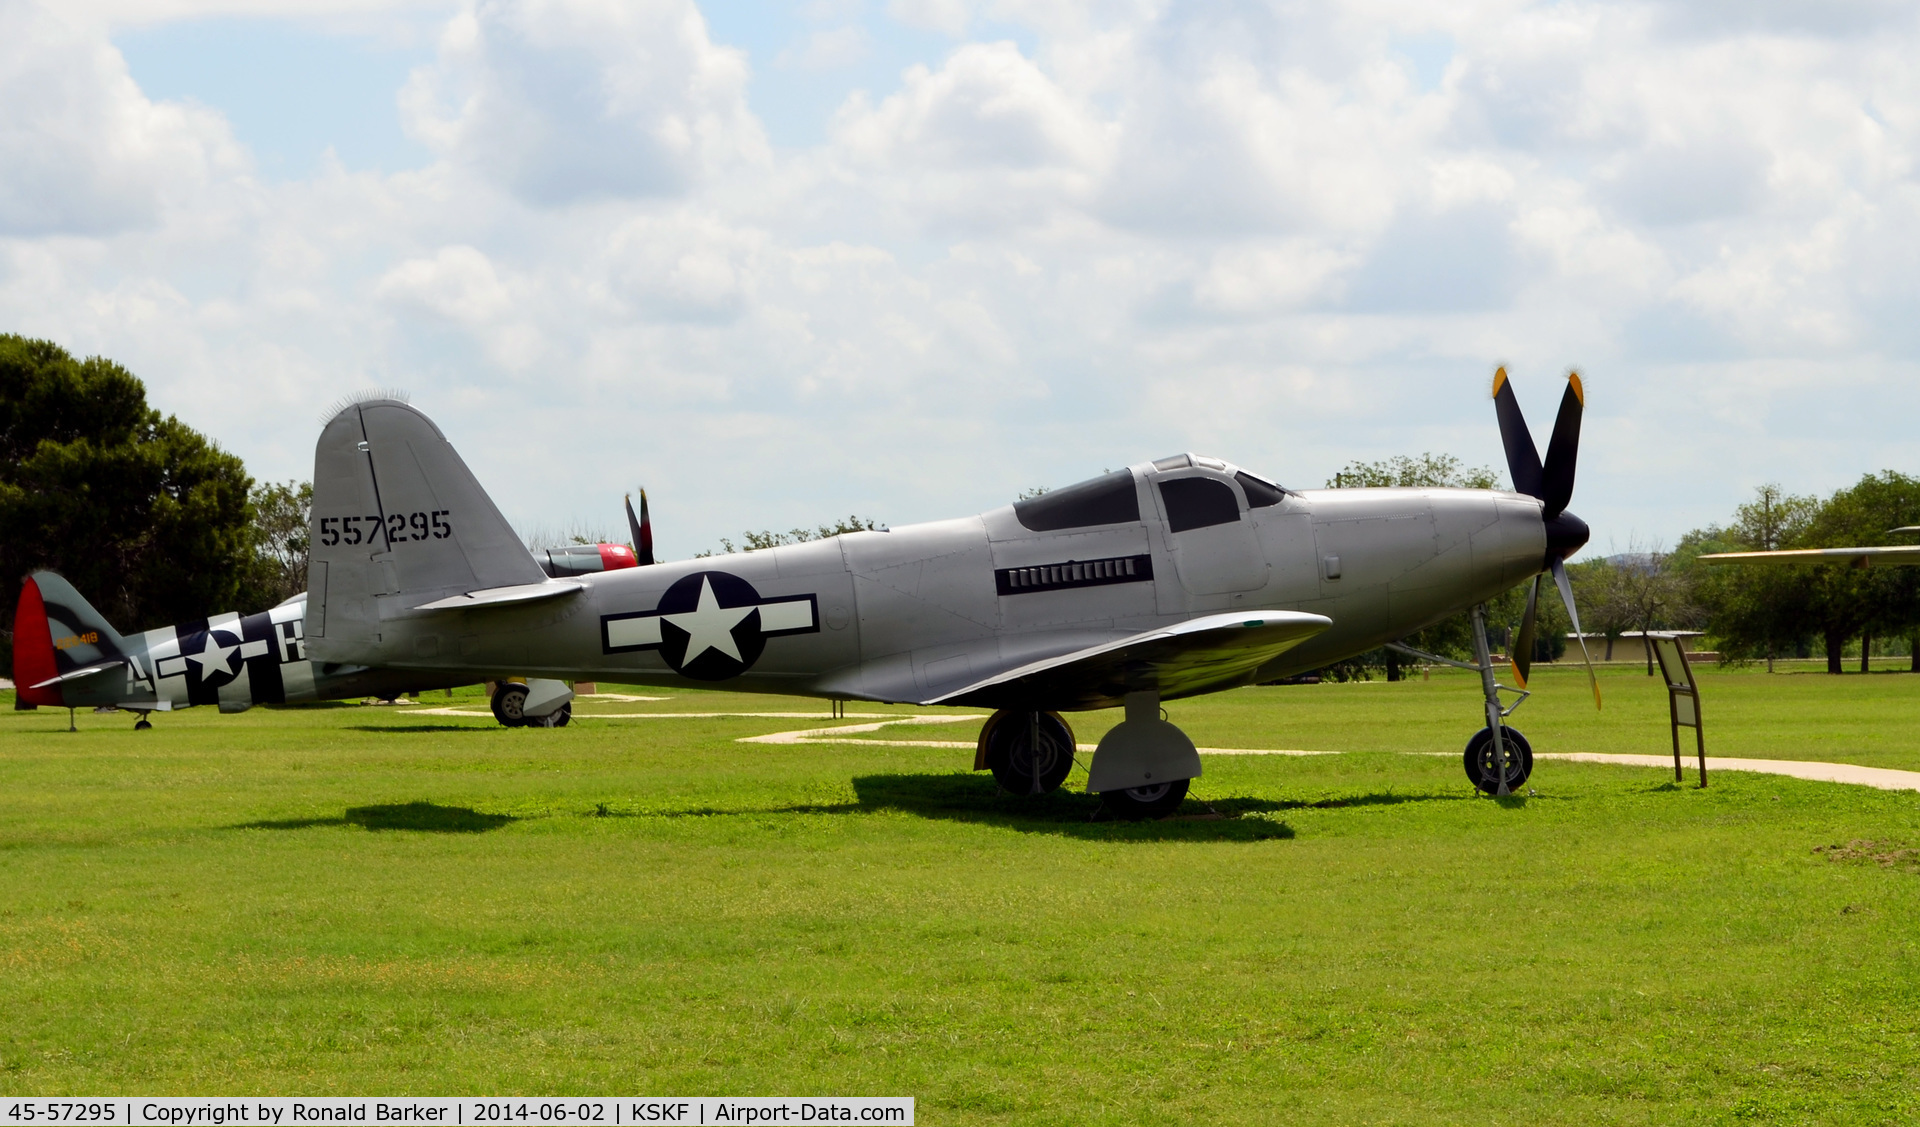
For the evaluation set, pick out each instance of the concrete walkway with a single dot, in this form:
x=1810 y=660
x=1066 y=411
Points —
x=1883 y=778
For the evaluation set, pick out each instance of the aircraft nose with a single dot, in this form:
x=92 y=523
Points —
x=1566 y=534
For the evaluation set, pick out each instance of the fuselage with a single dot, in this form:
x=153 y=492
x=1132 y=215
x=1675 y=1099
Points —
x=231 y=661
x=923 y=610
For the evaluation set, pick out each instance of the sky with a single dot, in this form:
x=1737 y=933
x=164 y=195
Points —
x=781 y=263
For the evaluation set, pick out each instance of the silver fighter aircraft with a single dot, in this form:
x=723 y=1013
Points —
x=1163 y=580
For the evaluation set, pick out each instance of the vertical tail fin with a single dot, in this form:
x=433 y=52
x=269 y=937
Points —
x=57 y=632
x=398 y=520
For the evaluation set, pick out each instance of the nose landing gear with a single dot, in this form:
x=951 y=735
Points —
x=1496 y=743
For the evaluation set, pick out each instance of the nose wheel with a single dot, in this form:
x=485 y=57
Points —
x=1515 y=752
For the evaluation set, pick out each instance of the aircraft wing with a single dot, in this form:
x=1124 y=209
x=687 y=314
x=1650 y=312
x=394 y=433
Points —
x=1201 y=654
x=1907 y=555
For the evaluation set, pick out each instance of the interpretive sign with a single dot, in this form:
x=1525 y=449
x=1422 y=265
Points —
x=1683 y=698
x=506 y=1111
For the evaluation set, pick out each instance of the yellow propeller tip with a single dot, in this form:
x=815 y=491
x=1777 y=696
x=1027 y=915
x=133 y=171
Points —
x=1579 y=389
x=1499 y=380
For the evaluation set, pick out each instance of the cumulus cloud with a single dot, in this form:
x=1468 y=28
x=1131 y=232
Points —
x=83 y=151
x=1260 y=231
x=568 y=100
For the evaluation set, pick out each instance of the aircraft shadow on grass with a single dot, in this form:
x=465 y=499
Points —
x=419 y=817
x=974 y=798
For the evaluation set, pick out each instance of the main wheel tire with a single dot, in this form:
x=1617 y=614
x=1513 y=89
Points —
x=1479 y=760
x=1013 y=763
x=1138 y=803
x=509 y=703
x=556 y=719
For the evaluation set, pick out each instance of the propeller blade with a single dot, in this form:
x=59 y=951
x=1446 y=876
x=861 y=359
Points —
x=1523 y=461
x=1565 y=584
x=1563 y=450
x=1522 y=656
x=642 y=529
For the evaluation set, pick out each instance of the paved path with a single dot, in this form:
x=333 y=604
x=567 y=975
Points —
x=1883 y=778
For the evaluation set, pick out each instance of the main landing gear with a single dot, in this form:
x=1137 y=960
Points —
x=532 y=705
x=1141 y=769
x=1498 y=759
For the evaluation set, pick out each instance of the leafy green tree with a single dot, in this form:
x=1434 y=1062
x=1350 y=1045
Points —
x=1430 y=471
x=1755 y=612
x=146 y=516
x=753 y=541
x=282 y=517
x=1865 y=601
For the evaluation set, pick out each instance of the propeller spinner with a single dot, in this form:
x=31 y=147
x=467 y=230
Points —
x=1552 y=484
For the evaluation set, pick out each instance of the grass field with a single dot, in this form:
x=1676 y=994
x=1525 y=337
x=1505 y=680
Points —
x=370 y=900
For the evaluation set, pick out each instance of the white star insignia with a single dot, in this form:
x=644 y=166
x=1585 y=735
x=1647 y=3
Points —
x=214 y=657
x=709 y=625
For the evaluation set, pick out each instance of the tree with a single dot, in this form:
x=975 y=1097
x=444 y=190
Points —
x=752 y=541
x=1864 y=600
x=1430 y=471
x=141 y=512
x=282 y=515
x=1636 y=590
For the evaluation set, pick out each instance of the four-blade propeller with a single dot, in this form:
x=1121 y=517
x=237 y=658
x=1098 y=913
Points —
x=1552 y=484
x=642 y=529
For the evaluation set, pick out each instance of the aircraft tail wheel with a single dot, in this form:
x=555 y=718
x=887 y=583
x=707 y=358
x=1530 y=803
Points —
x=1479 y=760
x=508 y=701
x=142 y=725
x=1137 y=803
x=1016 y=765
x=556 y=719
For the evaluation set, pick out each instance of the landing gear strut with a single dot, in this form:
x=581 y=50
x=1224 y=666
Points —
x=1143 y=765
x=1496 y=743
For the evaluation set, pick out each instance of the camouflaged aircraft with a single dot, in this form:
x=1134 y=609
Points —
x=66 y=654
x=1163 y=580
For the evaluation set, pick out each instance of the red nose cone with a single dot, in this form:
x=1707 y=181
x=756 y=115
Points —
x=613 y=557
x=33 y=649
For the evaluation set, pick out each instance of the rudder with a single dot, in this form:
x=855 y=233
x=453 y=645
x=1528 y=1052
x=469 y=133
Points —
x=398 y=520
x=56 y=632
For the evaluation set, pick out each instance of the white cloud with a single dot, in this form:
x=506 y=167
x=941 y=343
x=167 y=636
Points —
x=568 y=100
x=1128 y=230
x=828 y=50
x=83 y=151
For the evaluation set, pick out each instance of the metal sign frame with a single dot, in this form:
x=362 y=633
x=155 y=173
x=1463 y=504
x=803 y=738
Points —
x=1683 y=698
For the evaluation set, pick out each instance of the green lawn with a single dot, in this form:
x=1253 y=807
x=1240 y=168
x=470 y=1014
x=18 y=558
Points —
x=368 y=900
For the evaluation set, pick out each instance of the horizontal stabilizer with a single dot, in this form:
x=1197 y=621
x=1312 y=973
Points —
x=79 y=673
x=1213 y=652
x=504 y=596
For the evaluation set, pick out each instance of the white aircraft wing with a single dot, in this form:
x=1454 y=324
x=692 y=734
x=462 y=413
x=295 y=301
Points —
x=1213 y=652
x=1907 y=555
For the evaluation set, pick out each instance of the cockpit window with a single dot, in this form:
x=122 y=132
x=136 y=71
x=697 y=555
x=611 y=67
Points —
x=1198 y=502
x=1260 y=493
x=1108 y=499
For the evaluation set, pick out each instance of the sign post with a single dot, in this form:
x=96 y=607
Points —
x=1683 y=698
